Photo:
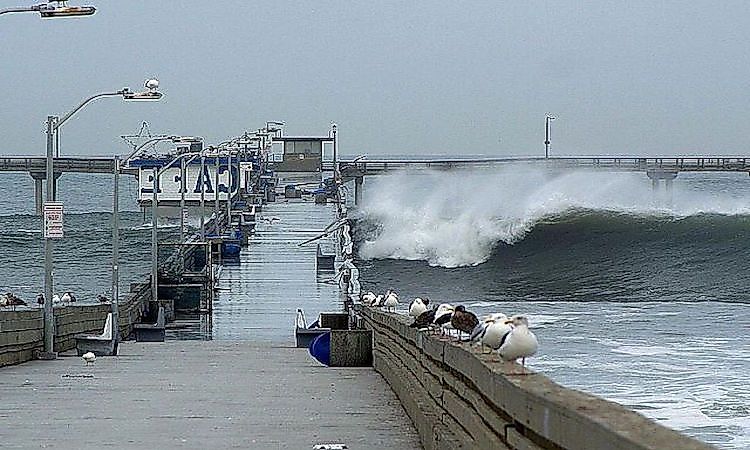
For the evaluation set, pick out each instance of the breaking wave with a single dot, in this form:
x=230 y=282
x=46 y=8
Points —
x=454 y=219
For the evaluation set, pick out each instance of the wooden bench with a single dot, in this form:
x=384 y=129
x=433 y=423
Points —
x=104 y=344
x=151 y=332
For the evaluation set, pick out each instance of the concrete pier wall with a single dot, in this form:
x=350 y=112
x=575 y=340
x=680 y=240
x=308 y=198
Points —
x=22 y=331
x=460 y=399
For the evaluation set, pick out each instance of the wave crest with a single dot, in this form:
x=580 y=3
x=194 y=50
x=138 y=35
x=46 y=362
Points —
x=454 y=219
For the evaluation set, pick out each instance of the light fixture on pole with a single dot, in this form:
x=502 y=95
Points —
x=53 y=125
x=547 y=120
x=53 y=9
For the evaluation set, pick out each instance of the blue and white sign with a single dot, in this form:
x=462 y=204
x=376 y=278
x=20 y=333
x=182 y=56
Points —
x=219 y=179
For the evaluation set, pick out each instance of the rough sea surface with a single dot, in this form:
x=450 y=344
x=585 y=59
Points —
x=635 y=297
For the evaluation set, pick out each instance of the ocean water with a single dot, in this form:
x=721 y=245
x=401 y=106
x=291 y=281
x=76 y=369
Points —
x=636 y=297
x=82 y=259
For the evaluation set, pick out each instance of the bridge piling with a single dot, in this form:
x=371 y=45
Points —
x=358 y=185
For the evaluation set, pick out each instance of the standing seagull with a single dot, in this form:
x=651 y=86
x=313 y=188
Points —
x=520 y=342
x=492 y=332
x=390 y=302
x=418 y=306
x=369 y=298
x=424 y=320
x=443 y=316
x=463 y=320
x=40 y=300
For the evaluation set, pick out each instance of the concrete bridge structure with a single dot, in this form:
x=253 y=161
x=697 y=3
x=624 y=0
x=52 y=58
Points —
x=656 y=168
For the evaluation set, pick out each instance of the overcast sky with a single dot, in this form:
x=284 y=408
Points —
x=459 y=78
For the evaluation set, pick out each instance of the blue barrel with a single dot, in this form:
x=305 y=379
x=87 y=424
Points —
x=320 y=348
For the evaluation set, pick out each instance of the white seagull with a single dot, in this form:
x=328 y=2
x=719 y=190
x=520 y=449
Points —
x=520 y=342
x=418 y=306
x=89 y=357
x=56 y=299
x=493 y=332
x=369 y=298
x=391 y=301
x=66 y=298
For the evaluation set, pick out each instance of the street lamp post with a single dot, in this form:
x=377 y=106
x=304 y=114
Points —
x=50 y=11
x=547 y=120
x=116 y=252
x=53 y=125
x=333 y=128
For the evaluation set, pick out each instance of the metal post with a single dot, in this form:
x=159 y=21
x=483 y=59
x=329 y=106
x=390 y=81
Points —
x=203 y=200
x=154 y=242
x=116 y=252
x=216 y=196
x=38 y=195
x=229 y=191
x=57 y=155
x=335 y=144
x=49 y=312
x=546 y=137
x=182 y=200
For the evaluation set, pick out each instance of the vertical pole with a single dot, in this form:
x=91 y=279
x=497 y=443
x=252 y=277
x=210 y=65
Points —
x=57 y=155
x=203 y=200
x=49 y=312
x=216 y=195
x=154 y=240
x=229 y=191
x=335 y=145
x=116 y=252
x=546 y=137
x=182 y=201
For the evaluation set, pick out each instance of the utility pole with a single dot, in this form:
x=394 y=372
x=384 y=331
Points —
x=154 y=240
x=547 y=120
x=116 y=252
x=49 y=311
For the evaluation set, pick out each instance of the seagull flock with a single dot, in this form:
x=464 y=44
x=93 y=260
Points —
x=11 y=300
x=510 y=337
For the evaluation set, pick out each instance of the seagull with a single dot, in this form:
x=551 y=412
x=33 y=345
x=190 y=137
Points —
x=89 y=357
x=424 y=320
x=463 y=320
x=369 y=298
x=492 y=332
x=443 y=316
x=66 y=298
x=378 y=301
x=102 y=299
x=390 y=302
x=520 y=342
x=418 y=306
x=9 y=299
x=40 y=299
x=300 y=322
x=56 y=299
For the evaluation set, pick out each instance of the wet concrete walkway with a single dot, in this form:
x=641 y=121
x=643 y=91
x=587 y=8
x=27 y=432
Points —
x=195 y=394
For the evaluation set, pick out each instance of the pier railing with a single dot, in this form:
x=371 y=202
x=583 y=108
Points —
x=613 y=163
x=22 y=331
x=461 y=399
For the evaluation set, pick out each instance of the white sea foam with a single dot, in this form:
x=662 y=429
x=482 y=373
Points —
x=454 y=219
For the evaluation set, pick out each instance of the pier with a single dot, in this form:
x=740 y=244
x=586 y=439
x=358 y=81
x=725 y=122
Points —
x=229 y=374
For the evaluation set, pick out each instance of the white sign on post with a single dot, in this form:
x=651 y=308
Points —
x=53 y=220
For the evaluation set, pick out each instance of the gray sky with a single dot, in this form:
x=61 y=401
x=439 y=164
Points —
x=433 y=77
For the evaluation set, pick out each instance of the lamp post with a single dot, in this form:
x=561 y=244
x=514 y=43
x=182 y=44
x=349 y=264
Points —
x=116 y=252
x=547 y=121
x=53 y=125
x=333 y=130
x=50 y=11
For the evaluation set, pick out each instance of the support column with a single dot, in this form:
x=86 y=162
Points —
x=38 y=191
x=668 y=177
x=358 y=184
x=668 y=188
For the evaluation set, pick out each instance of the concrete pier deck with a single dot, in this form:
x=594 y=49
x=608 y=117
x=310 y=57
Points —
x=199 y=394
